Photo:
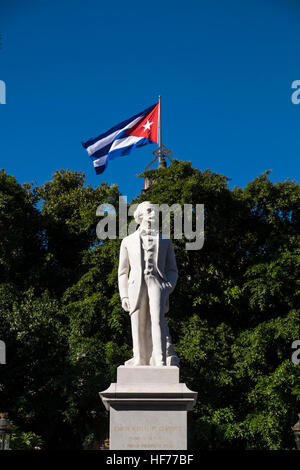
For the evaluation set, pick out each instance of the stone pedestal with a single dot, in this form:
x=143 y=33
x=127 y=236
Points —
x=148 y=409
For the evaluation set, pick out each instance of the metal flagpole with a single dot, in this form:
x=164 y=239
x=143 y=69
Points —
x=161 y=160
x=159 y=122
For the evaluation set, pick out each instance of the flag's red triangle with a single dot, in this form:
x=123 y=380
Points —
x=147 y=126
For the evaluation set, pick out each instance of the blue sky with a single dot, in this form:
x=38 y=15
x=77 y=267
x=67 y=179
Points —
x=73 y=69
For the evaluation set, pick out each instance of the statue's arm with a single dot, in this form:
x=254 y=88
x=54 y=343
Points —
x=123 y=271
x=171 y=266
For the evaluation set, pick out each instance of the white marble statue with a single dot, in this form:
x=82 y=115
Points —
x=149 y=261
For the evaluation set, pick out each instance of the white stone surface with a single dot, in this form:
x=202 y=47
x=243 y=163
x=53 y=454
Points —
x=148 y=409
x=146 y=428
x=147 y=275
x=147 y=374
x=148 y=405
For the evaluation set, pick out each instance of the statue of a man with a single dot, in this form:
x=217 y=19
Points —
x=149 y=260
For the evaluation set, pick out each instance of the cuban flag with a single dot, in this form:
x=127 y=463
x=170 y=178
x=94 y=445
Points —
x=137 y=131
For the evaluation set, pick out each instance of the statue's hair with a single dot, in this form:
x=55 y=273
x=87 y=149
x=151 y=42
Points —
x=138 y=213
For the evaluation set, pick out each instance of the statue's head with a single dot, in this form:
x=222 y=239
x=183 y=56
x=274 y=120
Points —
x=145 y=213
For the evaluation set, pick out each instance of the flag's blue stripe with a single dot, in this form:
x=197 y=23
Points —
x=115 y=128
x=101 y=152
x=126 y=150
x=100 y=169
x=105 y=150
x=120 y=152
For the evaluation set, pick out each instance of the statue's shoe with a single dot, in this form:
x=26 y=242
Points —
x=134 y=362
x=156 y=362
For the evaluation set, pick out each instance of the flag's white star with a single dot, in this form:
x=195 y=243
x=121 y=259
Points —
x=147 y=126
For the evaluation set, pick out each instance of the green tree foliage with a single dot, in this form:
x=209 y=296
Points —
x=233 y=315
x=21 y=440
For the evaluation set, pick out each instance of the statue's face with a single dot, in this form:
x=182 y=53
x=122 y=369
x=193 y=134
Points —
x=149 y=213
